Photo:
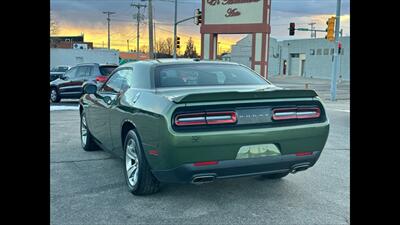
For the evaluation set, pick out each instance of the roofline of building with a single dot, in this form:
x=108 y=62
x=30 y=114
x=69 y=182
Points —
x=289 y=39
x=82 y=35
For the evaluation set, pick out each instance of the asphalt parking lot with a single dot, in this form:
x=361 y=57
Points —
x=89 y=187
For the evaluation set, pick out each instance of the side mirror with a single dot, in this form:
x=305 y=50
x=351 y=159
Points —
x=63 y=77
x=90 y=89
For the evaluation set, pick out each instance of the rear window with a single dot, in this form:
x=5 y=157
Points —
x=59 y=69
x=189 y=75
x=62 y=69
x=106 y=70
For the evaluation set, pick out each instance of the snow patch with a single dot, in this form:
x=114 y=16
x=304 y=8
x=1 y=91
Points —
x=63 y=107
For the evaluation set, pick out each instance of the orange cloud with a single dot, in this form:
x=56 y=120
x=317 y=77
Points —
x=120 y=33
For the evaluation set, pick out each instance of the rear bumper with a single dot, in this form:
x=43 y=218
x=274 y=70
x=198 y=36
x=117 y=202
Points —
x=237 y=168
x=177 y=149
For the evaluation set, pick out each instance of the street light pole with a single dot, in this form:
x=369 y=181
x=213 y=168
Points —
x=175 y=24
x=335 y=63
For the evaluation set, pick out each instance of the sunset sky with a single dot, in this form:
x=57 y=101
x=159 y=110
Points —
x=74 y=17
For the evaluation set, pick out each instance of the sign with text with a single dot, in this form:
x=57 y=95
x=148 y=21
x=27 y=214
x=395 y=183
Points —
x=233 y=12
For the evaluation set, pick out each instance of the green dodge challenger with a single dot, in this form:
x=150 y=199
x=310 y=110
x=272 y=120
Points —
x=195 y=121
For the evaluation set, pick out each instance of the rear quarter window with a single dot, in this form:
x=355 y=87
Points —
x=107 y=70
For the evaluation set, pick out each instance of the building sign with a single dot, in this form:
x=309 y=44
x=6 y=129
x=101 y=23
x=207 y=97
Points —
x=237 y=17
x=233 y=11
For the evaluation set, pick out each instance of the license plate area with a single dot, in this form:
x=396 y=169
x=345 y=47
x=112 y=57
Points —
x=257 y=151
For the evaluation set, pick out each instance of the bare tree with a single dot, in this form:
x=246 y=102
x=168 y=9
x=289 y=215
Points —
x=143 y=48
x=190 y=51
x=161 y=46
x=169 y=44
x=164 y=48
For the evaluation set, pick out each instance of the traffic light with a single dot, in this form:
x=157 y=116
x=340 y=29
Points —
x=197 y=17
x=178 y=42
x=292 y=27
x=330 y=31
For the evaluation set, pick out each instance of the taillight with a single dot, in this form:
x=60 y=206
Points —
x=306 y=113
x=101 y=78
x=284 y=113
x=221 y=117
x=296 y=113
x=190 y=119
x=204 y=118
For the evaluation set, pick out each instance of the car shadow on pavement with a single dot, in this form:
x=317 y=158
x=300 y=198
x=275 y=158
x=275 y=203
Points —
x=237 y=186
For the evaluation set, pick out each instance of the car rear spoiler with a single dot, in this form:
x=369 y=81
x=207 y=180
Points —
x=236 y=95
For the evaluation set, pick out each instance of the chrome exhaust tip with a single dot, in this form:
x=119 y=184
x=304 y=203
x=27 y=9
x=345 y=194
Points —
x=203 y=179
x=297 y=168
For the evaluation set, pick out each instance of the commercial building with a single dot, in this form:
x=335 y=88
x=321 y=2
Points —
x=71 y=57
x=76 y=42
x=299 y=57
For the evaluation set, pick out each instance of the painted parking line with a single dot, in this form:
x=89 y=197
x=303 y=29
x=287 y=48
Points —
x=63 y=107
x=339 y=110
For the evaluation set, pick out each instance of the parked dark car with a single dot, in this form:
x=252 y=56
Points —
x=191 y=121
x=58 y=71
x=70 y=84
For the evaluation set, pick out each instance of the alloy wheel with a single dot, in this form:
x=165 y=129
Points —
x=84 y=132
x=53 y=95
x=132 y=162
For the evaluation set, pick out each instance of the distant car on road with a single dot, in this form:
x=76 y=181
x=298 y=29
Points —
x=194 y=121
x=70 y=84
x=58 y=71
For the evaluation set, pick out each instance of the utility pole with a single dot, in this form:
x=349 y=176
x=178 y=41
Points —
x=151 y=48
x=128 y=44
x=313 y=33
x=138 y=18
x=335 y=63
x=155 y=40
x=175 y=24
x=108 y=20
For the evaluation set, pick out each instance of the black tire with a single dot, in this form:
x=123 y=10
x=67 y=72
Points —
x=57 y=97
x=275 y=175
x=90 y=145
x=146 y=183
